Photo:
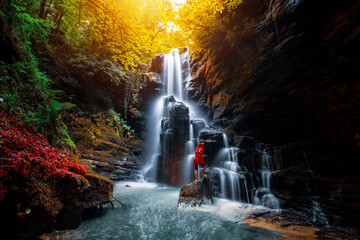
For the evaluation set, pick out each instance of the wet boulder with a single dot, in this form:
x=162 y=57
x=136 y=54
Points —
x=294 y=182
x=214 y=142
x=164 y=124
x=195 y=194
x=169 y=99
x=33 y=206
x=197 y=125
x=76 y=198
x=178 y=109
x=179 y=120
x=263 y=196
x=212 y=135
x=245 y=142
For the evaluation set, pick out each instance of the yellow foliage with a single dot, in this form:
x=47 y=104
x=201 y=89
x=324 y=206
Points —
x=199 y=20
x=132 y=31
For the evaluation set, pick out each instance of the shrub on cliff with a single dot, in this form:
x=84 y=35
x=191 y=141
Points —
x=24 y=152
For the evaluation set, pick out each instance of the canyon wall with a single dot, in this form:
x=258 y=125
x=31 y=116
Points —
x=286 y=73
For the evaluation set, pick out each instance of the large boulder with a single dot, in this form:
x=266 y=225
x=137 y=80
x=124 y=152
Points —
x=197 y=125
x=37 y=206
x=76 y=198
x=195 y=193
x=214 y=142
x=169 y=99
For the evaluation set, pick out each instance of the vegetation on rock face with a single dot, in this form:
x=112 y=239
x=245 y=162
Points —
x=24 y=152
x=97 y=42
x=25 y=90
x=42 y=188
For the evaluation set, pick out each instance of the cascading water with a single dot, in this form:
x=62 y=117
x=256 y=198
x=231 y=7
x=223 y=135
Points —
x=150 y=169
x=263 y=195
x=173 y=74
x=169 y=127
x=318 y=216
x=173 y=138
x=187 y=73
x=232 y=177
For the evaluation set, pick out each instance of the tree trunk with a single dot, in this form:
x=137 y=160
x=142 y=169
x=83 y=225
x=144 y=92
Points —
x=58 y=22
x=42 y=9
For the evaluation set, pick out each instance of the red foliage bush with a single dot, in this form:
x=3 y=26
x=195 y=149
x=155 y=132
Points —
x=23 y=151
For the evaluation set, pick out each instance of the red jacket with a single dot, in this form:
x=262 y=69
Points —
x=198 y=159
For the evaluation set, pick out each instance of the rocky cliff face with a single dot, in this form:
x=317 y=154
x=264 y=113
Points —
x=286 y=73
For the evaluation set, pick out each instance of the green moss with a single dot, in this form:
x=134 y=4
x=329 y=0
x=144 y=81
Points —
x=66 y=138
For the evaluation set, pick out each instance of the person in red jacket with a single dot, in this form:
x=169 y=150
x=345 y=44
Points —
x=198 y=160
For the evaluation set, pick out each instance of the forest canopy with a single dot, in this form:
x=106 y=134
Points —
x=128 y=31
x=200 y=20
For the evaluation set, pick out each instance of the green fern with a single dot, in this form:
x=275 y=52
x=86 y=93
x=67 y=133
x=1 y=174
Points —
x=65 y=136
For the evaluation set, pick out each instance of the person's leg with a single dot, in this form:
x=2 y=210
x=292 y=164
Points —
x=203 y=170
x=196 y=172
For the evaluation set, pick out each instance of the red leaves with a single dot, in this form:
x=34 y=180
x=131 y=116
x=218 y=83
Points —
x=23 y=151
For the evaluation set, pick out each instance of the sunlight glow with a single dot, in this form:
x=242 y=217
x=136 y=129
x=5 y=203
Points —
x=178 y=1
x=170 y=27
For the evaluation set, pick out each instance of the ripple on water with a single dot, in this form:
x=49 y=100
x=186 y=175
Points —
x=151 y=213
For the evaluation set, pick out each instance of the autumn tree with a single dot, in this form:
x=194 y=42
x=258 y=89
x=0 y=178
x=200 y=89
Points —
x=200 y=20
x=128 y=31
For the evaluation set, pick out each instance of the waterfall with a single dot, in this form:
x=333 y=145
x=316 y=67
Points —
x=150 y=169
x=232 y=176
x=191 y=133
x=188 y=76
x=226 y=141
x=175 y=129
x=263 y=195
x=169 y=134
x=222 y=182
x=173 y=74
x=318 y=216
x=188 y=166
x=233 y=183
